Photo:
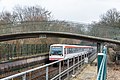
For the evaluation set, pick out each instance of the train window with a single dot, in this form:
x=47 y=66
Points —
x=82 y=49
x=70 y=50
x=67 y=50
x=56 y=50
x=73 y=50
x=85 y=49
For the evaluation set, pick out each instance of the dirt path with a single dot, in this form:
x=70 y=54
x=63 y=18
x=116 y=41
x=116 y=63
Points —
x=88 y=73
x=113 y=72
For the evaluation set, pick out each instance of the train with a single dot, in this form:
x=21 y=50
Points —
x=64 y=51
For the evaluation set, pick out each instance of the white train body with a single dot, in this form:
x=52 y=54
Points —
x=63 y=51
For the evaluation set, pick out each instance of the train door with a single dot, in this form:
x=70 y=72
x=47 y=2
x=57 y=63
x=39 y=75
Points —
x=65 y=52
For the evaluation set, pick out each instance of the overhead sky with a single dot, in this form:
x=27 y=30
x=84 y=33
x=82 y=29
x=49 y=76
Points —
x=84 y=11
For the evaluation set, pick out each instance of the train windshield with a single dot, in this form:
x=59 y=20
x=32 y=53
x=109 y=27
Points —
x=56 y=50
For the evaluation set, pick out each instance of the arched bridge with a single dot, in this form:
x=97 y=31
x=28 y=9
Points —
x=44 y=34
x=22 y=30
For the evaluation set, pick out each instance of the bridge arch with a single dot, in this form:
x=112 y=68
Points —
x=44 y=34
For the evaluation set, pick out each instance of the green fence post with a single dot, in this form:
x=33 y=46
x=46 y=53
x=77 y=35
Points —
x=99 y=60
x=105 y=66
x=102 y=65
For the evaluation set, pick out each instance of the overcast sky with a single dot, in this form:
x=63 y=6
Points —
x=84 y=11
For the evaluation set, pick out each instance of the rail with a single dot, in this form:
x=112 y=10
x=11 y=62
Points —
x=102 y=65
x=77 y=63
x=92 y=56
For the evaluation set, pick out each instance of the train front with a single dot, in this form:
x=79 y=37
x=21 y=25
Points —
x=56 y=53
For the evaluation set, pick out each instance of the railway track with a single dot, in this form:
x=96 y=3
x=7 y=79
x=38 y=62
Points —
x=17 y=67
x=53 y=70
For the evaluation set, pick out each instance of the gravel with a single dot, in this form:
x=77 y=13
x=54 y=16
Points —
x=113 y=72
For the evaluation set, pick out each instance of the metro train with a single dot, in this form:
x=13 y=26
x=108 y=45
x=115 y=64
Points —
x=64 y=51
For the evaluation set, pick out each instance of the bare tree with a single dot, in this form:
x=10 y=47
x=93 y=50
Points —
x=32 y=13
x=7 y=17
x=111 y=18
x=21 y=14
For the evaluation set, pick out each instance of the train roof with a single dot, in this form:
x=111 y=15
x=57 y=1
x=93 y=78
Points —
x=67 y=45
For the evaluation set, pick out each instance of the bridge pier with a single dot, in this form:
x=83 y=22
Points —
x=99 y=50
x=99 y=47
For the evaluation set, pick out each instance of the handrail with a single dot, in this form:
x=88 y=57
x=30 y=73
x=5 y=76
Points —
x=24 y=74
x=102 y=68
x=66 y=70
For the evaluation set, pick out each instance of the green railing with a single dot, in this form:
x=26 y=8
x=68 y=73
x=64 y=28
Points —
x=102 y=65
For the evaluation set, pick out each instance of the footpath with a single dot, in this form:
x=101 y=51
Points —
x=88 y=73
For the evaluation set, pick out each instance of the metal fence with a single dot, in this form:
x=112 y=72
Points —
x=65 y=68
x=15 y=51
